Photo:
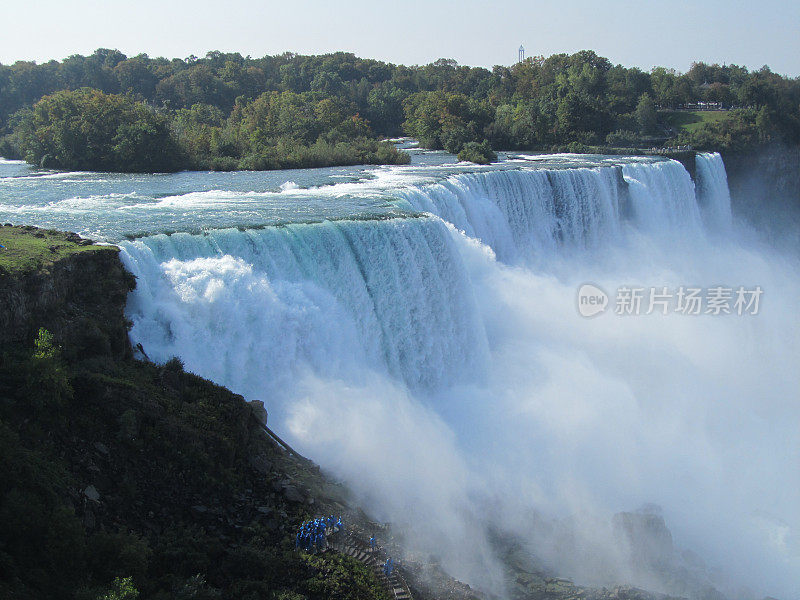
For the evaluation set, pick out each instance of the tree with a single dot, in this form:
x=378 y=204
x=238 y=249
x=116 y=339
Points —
x=89 y=130
x=481 y=154
x=646 y=116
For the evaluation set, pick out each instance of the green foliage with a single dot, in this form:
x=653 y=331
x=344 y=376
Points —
x=170 y=440
x=341 y=577
x=446 y=120
x=174 y=364
x=226 y=111
x=34 y=517
x=48 y=383
x=27 y=250
x=646 y=116
x=623 y=138
x=90 y=130
x=738 y=131
x=481 y=154
x=122 y=589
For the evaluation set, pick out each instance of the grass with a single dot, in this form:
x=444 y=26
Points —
x=29 y=248
x=691 y=120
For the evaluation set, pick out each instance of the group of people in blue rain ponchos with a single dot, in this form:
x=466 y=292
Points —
x=312 y=534
x=312 y=537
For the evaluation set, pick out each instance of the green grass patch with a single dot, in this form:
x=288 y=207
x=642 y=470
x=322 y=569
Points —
x=29 y=248
x=691 y=120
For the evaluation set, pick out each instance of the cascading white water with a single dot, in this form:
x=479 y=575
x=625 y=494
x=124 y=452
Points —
x=662 y=198
x=528 y=213
x=712 y=191
x=450 y=380
x=251 y=308
x=534 y=214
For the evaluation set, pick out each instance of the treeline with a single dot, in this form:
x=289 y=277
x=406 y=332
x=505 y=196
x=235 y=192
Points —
x=227 y=111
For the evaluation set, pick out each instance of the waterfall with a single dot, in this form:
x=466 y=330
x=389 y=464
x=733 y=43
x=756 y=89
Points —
x=662 y=197
x=528 y=213
x=712 y=191
x=250 y=308
x=254 y=306
x=452 y=382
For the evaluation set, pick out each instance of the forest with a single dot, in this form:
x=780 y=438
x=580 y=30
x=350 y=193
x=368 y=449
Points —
x=224 y=111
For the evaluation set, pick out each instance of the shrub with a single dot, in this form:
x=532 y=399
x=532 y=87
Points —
x=47 y=380
x=481 y=154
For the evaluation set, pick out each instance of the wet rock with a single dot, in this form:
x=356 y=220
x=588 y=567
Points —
x=91 y=493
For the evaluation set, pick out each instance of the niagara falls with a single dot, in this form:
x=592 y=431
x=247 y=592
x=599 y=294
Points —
x=420 y=301
x=415 y=330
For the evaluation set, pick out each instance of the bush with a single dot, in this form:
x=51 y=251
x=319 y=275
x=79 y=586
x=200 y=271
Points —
x=48 y=383
x=481 y=154
x=122 y=589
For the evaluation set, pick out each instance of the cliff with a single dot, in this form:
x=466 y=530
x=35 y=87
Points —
x=71 y=287
x=765 y=187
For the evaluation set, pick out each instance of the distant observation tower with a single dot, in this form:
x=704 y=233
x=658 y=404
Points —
x=521 y=53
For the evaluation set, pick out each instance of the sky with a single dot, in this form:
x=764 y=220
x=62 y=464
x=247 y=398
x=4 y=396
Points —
x=644 y=33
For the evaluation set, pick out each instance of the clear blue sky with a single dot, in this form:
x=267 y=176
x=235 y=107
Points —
x=640 y=33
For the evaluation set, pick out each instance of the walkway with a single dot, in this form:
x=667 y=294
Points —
x=346 y=543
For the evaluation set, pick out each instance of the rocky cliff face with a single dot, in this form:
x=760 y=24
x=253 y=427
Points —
x=765 y=188
x=74 y=289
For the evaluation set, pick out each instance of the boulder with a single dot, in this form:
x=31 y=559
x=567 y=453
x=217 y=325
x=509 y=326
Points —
x=292 y=494
x=91 y=493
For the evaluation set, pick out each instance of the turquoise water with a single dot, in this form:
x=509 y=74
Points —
x=111 y=207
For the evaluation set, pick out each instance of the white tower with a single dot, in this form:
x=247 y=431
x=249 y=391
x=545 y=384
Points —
x=521 y=53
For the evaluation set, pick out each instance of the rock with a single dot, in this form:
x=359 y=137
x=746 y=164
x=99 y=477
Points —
x=292 y=494
x=646 y=537
x=91 y=493
x=261 y=464
x=264 y=510
x=100 y=447
x=258 y=411
x=199 y=509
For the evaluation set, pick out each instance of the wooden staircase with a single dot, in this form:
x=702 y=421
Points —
x=346 y=543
